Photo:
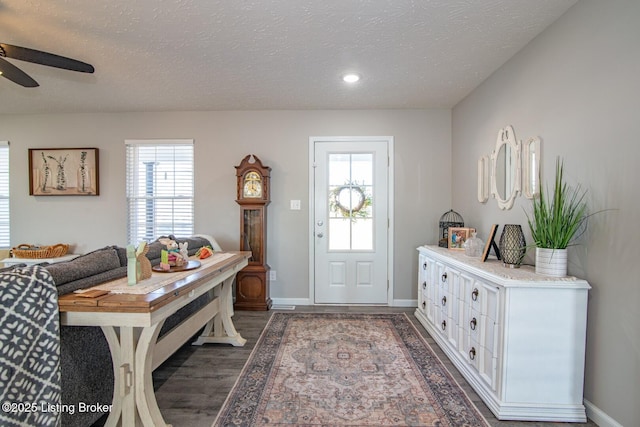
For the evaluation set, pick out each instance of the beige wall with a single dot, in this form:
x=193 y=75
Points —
x=222 y=139
x=577 y=87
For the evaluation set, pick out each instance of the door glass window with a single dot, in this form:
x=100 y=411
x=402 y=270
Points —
x=350 y=201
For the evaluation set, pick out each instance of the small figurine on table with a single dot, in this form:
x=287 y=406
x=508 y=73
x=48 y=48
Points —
x=175 y=257
x=204 y=252
x=132 y=275
x=164 y=260
x=138 y=265
x=143 y=265
x=184 y=253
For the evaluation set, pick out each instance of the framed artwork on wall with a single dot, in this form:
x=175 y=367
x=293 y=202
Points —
x=63 y=172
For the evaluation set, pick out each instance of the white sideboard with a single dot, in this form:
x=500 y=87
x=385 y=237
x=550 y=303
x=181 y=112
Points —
x=516 y=336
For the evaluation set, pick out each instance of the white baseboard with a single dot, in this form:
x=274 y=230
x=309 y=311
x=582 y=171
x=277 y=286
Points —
x=404 y=303
x=598 y=416
x=291 y=301
x=307 y=301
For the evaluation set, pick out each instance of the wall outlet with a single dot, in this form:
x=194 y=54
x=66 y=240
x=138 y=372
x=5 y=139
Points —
x=272 y=275
x=295 y=205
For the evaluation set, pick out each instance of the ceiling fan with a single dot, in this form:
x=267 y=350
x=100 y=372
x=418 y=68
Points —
x=18 y=76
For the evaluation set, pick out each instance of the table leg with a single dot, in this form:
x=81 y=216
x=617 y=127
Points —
x=220 y=329
x=134 y=401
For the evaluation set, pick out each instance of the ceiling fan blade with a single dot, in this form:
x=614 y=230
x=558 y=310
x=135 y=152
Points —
x=44 y=58
x=16 y=75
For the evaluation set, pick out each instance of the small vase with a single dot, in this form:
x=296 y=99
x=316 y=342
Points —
x=512 y=245
x=84 y=180
x=61 y=178
x=551 y=262
x=473 y=246
x=44 y=175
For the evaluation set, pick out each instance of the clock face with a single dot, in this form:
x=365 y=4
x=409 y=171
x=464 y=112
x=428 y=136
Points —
x=252 y=187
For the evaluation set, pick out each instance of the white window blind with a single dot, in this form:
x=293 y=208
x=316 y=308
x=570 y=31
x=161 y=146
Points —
x=160 y=188
x=5 y=229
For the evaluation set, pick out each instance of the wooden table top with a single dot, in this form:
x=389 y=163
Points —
x=74 y=302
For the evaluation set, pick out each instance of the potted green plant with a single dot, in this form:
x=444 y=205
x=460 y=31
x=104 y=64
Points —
x=557 y=219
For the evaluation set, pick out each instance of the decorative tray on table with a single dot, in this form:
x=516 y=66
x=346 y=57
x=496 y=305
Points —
x=189 y=265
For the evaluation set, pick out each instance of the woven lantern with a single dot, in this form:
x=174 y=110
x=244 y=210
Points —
x=448 y=219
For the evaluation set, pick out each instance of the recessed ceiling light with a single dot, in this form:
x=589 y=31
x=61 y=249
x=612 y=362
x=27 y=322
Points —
x=351 y=78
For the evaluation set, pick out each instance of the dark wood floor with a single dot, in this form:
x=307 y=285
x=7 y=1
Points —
x=192 y=385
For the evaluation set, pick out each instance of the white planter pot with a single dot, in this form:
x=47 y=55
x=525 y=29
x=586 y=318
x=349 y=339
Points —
x=551 y=262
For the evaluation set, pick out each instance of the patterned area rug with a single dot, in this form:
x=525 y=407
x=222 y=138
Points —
x=339 y=369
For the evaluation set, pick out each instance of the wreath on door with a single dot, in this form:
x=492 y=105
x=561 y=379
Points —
x=350 y=200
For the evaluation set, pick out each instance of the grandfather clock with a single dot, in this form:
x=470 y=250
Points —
x=252 y=282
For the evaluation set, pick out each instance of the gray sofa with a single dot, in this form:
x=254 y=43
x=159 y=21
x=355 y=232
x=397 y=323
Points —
x=86 y=367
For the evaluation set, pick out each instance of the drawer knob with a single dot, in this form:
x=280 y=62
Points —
x=424 y=265
x=473 y=324
x=424 y=285
x=444 y=277
x=474 y=294
x=444 y=301
x=472 y=353
x=424 y=304
x=444 y=325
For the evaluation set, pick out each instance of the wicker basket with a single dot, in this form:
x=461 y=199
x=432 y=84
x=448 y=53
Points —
x=38 y=252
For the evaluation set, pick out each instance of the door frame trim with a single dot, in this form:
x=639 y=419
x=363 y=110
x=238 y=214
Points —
x=390 y=205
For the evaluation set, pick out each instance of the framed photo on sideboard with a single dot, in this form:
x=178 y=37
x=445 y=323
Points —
x=491 y=244
x=459 y=235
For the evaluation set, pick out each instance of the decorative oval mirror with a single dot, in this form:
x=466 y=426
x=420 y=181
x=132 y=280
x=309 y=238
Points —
x=531 y=167
x=505 y=168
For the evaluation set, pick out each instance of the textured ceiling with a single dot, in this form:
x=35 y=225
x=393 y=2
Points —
x=167 y=55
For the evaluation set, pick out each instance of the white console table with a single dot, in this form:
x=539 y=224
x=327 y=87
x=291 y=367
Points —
x=517 y=337
x=131 y=324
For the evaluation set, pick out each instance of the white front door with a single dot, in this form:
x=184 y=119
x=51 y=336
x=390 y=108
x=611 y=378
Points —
x=350 y=220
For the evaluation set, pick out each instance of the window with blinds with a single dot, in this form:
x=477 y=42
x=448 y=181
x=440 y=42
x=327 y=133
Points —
x=5 y=229
x=160 y=189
